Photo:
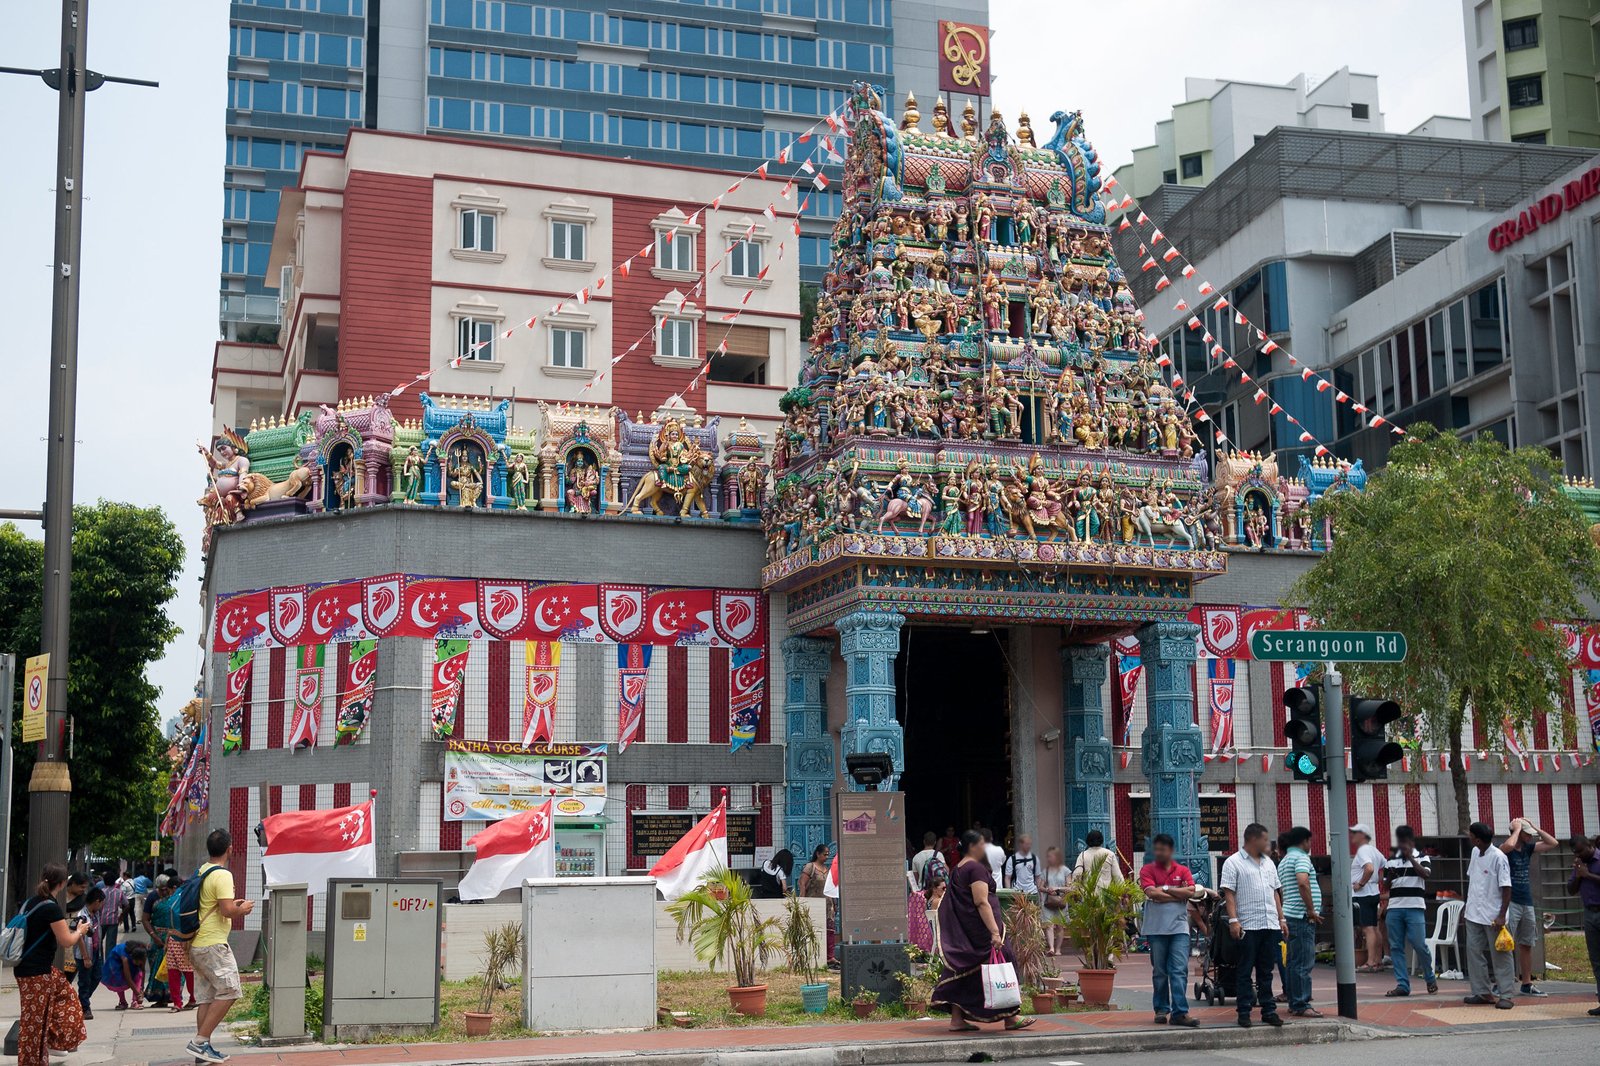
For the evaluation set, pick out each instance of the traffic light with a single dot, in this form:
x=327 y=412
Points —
x=1371 y=750
x=1304 y=730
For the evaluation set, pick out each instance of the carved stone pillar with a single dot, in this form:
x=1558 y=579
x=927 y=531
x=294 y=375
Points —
x=1088 y=752
x=869 y=642
x=809 y=748
x=1171 y=745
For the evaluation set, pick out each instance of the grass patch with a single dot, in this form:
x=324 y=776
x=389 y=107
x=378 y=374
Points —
x=1567 y=951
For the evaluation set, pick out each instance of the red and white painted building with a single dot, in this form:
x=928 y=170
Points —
x=405 y=251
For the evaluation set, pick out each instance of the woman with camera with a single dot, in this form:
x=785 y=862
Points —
x=52 y=1018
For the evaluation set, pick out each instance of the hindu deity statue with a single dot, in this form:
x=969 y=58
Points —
x=982 y=216
x=583 y=485
x=1005 y=409
x=1257 y=528
x=674 y=455
x=1041 y=497
x=994 y=302
x=518 y=476
x=411 y=475
x=1081 y=504
x=345 y=478
x=466 y=479
x=903 y=487
x=752 y=481
x=950 y=498
x=227 y=463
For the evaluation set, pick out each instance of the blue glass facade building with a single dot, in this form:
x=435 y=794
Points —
x=710 y=83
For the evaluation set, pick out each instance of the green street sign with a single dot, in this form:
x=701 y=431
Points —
x=1319 y=645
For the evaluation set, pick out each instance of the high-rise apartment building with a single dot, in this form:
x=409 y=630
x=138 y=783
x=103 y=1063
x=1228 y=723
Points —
x=1533 y=70
x=1220 y=120
x=706 y=83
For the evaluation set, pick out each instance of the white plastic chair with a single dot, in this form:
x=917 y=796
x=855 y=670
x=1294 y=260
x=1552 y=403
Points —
x=1446 y=926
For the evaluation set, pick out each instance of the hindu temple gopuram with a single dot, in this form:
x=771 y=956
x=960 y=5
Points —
x=984 y=540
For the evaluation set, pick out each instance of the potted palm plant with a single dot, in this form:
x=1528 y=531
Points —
x=804 y=953
x=720 y=921
x=501 y=948
x=1097 y=920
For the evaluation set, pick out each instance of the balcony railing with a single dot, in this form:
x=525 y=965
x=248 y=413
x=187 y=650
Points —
x=246 y=307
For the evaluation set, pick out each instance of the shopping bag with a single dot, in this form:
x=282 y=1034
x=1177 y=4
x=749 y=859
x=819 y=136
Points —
x=1001 y=991
x=1503 y=942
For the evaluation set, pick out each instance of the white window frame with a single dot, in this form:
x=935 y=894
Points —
x=569 y=212
x=564 y=234
x=685 y=234
x=565 y=324
x=478 y=207
x=675 y=338
x=561 y=341
x=741 y=231
x=674 y=309
x=740 y=253
x=469 y=331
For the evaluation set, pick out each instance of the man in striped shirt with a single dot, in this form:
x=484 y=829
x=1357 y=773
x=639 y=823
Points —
x=1302 y=906
x=1406 y=873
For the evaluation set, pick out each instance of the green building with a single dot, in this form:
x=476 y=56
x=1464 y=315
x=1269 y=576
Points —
x=1533 y=70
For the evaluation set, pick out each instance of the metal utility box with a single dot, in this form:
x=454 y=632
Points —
x=285 y=969
x=383 y=957
x=590 y=959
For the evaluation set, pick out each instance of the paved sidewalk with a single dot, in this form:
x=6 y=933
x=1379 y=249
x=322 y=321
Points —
x=156 y=1037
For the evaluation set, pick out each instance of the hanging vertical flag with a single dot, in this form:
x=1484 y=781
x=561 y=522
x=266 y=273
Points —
x=1514 y=746
x=543 y=665
x=633 y=672
x=355 y=708
x=1220 y=672
x=307 y=696
x=239 y=668
x=1130 y=667
x=747 y=691
x=449 y=683
x=1591 y=706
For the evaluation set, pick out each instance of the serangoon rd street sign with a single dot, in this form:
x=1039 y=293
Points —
x=1314 y=645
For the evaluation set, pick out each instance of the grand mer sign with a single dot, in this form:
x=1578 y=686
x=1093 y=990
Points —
x=1546 y=210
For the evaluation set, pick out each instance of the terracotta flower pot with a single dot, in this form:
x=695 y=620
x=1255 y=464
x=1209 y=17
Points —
x=750 y=1000
x=1044 y=1002
x=863 y=1007
x=1095 y=985
x=916 y=1007
x=478 y=1023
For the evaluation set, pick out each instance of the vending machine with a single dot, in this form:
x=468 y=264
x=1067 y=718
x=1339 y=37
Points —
x=580 y=849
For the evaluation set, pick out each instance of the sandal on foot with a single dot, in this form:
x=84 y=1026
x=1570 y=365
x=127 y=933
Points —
x=1022 y=1023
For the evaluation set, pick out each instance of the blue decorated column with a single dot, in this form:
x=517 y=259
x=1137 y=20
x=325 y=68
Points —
x=1172 y=746
x=809 y=752
x=869 y=641
x=1088 y=752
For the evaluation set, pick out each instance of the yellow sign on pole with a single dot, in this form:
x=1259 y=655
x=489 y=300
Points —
x=155 y=849
x=34 y=679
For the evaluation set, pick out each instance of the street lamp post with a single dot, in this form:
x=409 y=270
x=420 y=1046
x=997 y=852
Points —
x=50 y=787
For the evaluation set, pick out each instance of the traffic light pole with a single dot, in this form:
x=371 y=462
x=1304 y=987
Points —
x=1344 y=935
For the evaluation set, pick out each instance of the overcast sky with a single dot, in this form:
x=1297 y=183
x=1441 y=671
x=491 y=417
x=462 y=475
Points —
x=151 y=247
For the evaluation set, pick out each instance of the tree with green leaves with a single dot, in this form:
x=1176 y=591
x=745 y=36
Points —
x=125 y=562
x=1470 y=550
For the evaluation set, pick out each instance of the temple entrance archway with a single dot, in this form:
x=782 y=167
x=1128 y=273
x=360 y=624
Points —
x=953 y=701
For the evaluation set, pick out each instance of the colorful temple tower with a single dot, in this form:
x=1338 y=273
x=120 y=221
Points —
x=981 y=436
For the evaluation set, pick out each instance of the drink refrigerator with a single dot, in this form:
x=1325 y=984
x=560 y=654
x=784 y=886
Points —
x=580 y=849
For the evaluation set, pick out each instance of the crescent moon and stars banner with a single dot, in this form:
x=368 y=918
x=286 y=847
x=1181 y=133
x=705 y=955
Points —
x=450 y=608
x=239 y=668
x=449 y=675
x=356 y=708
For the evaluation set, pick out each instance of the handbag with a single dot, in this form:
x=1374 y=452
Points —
x=1001 y=990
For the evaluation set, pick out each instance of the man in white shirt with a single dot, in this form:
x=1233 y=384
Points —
x=1254 y=902
x=919 y=861
x=994 y=855
x=1488 y=898
x=1021 y=868
x=1366 y=879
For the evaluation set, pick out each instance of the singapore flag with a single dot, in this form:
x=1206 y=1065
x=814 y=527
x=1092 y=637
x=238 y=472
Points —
x=510 y=850
x=702 y=850
x=308 y=847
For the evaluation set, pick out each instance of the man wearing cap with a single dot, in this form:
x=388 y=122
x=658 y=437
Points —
x=1366 y=871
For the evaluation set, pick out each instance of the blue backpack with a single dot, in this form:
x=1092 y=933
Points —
x=13 y=939
x=189 y=903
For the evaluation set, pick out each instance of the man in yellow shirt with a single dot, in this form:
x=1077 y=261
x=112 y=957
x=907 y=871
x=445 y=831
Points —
x=216 y=971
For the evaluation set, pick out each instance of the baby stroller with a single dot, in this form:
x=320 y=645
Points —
x=1218 y=952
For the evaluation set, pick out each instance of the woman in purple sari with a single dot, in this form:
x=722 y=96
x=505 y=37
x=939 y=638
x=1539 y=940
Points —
x=969 y=928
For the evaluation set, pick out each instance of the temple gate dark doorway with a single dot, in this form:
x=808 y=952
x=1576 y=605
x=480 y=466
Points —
x=954 y=702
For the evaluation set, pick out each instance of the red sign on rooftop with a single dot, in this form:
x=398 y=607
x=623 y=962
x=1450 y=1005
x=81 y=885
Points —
x=963 y=58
